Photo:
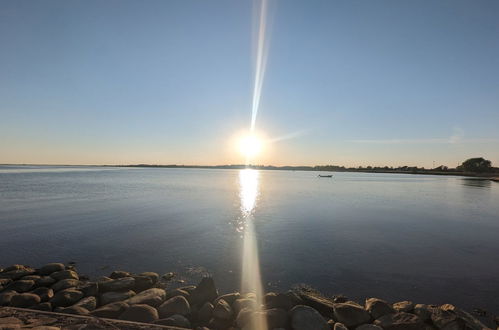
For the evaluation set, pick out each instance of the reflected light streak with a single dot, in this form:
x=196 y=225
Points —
x=251 y=279
x=261 y=61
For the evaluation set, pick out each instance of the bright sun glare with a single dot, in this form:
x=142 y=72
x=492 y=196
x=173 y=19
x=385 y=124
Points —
x=250 y=145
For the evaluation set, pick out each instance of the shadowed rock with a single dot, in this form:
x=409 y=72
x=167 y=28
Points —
x=21 y=285
x=176 y=305
x=89 y=303
x=120 y=284
x=400 y=321
x=278 y=300
x=110 y=297
x=5 y=297
x=65 y=274
x=51 y=268
x=140 y=313
x=222 y=310
x=45 y=306
x=45 y=281
x=153 y=297
x=403 y=306
x=205 y=291
x=65 y=284
x=351 y=314
x=25 y=300
x=66 y=298
x=45 y=294
x=307 y=318
x=119 y=274
x=378 y=308
x=76 y=310
x=111 y=311
x=175 y=321
x=205 y=313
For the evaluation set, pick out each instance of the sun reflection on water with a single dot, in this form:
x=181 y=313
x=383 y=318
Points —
x=251 y=279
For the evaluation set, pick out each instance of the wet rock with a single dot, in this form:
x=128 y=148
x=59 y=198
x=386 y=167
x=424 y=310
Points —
x=51 y=268
x=278 y=300
x=24 y=300
x=350 y=314
x=46 y=281
x=89 y=303
x=222 y=310
x=205 y=313
x=142 y=283
x=140 y=313
x=377 y=307
x=112 y=311
x=66 y=298
x=119 y=274
x=64 y=275
x=339 y=326
x=120 y=284
x=175 y=321
x=89 y=289
x=21 y=285
x=110 y=297
x=307 y=318
x=239 y=304
x=423 y=311
x=229 y=297
x=65 y=284
x=205 y=291
x=400 y=321
x=153 y=276
x=244 y=317
x=275 y=318
x=176 y=305
x=219 y=324
x=403 y=306
x=76 y=310
x=45 y=306
x=177 y=292
x=153 y=297
x=5 y=297
x=45 y=294
x=322 y=304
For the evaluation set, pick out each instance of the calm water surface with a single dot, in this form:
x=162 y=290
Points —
x=430 y=239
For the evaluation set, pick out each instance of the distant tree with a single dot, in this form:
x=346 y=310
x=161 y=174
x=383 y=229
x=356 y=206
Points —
x=441 y=168
x=476 y=165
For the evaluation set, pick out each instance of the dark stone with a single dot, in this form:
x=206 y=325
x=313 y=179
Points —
x=65 y=284
x=176 y=305
x=400 y=321
x=89 y=289
x=110 y=297
x=5 y=297
x=153 y=276
x=378 y=308
x=142 y=283
x=111 y=311
x=307 y=318
x=45 y=294
x=278 y=300
x=322 y=304
x=31 y=277
x=51 y=268
x=45 y=306
x=153 y=297
x=351 y=314
x=120 y=284
x=17 y=274
x=89 y=303
x=140 y=313
x=205 y=313
x=24 y=300
x=423 y=311
x=119 y=274
x=403 y=306
x=275 y=317
x=5 y=281
x=66 y=298
x=205 y=291
x=45 y=281
x=175 y=321
x=64 y=275
x=21 y=285
x=177 y=292
x=76 y=310
x=222 y=310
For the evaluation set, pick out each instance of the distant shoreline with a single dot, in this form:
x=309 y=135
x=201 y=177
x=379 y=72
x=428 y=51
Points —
x=494 y=176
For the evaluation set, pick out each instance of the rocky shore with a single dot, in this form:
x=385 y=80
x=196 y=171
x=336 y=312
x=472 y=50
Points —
x=144 y=301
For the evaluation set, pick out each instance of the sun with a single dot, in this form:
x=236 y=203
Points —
x=250 y=145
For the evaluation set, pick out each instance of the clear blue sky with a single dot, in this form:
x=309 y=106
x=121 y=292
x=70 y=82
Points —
x=354 y=82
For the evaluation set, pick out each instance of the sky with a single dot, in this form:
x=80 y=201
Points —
x=351 y=83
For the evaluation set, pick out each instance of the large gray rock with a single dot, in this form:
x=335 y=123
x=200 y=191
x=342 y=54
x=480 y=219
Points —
x=51 y=268
x=153 y=297
x=278 y=300
x=21 y=285
x=400 y=321
x=140 y=313
x=351 y=314
x=111 y=311
x=175 y=321
x=222 y=310
x=89 y=303
x=65 y=274
x=45 y=294
x=205 y=312
x=24 y=300
x=66 y=298
x=205 y=291
x=5 y=297
x=377 y=307
x=403 y=306
x=120 y=284
x=322 y=304
x=110 y=297
x=176 y=305
x=65 y=284
x=306 y=318
x=46 y=281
